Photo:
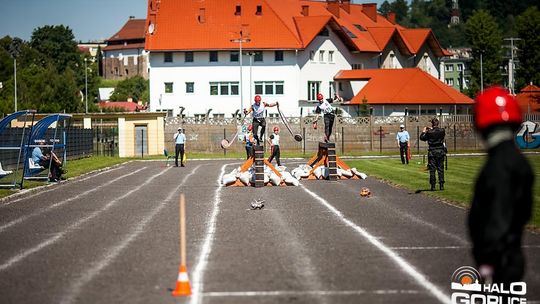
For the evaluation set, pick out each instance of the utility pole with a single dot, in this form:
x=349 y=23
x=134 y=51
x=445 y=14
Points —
x=85 y=86
x=241 y=40
x=14 y=50
x=511 y=65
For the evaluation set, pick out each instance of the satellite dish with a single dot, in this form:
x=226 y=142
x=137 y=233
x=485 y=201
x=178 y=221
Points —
x=151 y=28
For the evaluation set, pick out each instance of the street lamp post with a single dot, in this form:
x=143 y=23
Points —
x=240 y=41
x=14 y=50
x=481 y=73
x=85 y=86
x=15 y=80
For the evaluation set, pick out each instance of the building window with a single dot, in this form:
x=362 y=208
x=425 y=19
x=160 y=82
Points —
x=190 y=87
x=340 y=86
x=278 y=56
x=460 y=67
x=234 y=56
x=238 y=10
x=259 y=10
x=449 y=81
x=258 y=56
x=224 y=88
x=330 y=56
x=313 y=89
x=167 y=57
x=213 y=56
x=188 y=57
x=269 y=87
x=448 y=68
x=357 y=66
x=321 y=56
x=311 y=55
x=168 y=87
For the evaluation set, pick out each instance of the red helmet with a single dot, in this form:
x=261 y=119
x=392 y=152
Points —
x=495 y=106
x=250 y=127
x=257 y=98
x=320 y=96
x=276 y=129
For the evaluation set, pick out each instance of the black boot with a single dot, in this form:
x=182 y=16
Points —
x=441 y=186
x=432 y=187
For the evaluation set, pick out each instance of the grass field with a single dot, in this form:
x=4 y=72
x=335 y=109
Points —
x=460 y=178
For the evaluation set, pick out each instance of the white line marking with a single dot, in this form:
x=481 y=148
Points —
x=278 y=293
x=405 y=266
x=75 y=289
x=73 y=226
x=60 y=203
x=198 y=275
x=428 y=247
x=41 y=191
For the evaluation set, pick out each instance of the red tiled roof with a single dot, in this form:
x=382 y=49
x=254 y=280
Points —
x=212 y=24
x=529 y=99
x=114 y=47
x=126 y=105
x=402 y=86
x=133 y=29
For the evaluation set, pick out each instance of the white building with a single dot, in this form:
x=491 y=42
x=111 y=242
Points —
x=291 y=50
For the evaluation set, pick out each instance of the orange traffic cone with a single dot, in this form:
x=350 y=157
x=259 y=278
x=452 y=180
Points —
x=183 y=288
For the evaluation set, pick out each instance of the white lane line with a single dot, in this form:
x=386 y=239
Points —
x=60 y=203
x=41 y=191
x=19 y=257
x=280 y=293
x=405 y=266
x=75 y=289
x=428 y=247
x=198 y=275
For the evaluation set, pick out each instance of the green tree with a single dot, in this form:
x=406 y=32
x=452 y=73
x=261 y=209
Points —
x=485 y=38
x=527 y=28
x=133 y=87
x=57 y=44
x=385 y=8
x=401 y=8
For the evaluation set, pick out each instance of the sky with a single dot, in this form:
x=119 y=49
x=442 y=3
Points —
x=90 y=20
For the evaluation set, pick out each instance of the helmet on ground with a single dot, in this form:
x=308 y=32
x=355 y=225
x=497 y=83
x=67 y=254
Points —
x=320 y=96
x=257 y=98
x=250 y=127
x=276 y=128
x=495 y=106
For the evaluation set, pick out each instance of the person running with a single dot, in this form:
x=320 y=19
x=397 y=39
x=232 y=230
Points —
x=325 y=108
x=503 y=198
x=436 y=152
x=274 y=146
x=402 y=138
x=180 y=141
x=257 y=108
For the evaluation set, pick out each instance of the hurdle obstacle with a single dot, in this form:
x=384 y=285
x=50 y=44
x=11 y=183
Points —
x=326 y=156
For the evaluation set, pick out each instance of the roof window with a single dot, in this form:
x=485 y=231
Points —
x=359 y=27
x=349 y=33
x=238 y=10
x=259 y=10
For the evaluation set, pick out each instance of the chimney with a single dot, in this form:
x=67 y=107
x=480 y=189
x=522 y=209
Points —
x=391 y=17
x=305 y=10
x=202 y=15
x=333 y=7
x=370 y=10
x=346 y=5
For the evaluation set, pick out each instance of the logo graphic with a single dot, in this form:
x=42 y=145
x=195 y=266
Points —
x=466 y=278
x=528 y=136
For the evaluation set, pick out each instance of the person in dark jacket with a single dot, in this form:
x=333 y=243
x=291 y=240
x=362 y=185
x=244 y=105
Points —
x=436 y=152
x=502 y=201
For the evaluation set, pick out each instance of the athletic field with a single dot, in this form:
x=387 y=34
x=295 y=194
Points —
x=113 y=237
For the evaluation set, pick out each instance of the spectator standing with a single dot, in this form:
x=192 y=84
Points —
x=502 y=200
x=180 y=141
x=403 y=138
x=274 y=146
x=436 y=152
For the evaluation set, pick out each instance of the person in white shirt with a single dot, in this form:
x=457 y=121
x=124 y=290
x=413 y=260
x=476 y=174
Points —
x=274 y=146
x=258 y=108
x=180 y=141
x=402 y=138
x=325 y=108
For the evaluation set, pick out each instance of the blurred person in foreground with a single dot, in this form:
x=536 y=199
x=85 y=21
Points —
x=502 y=201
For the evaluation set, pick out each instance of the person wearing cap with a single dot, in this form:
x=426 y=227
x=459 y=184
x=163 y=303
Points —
x=180 y=141
x=327 y=110
x=258 y=108
x=436 y=152
x=248 y=139
x=402 y=138
x=274 y=146
x=502 y=200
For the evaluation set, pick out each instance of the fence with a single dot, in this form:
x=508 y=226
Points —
x=351 y=135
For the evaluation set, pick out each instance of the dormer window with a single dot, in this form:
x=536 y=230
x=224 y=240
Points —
x=259 y=10
x=238 y=10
